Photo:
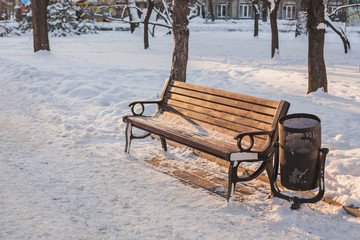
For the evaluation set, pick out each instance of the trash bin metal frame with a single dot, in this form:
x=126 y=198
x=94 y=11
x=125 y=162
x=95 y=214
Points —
x=297 y=201
x=292 y=160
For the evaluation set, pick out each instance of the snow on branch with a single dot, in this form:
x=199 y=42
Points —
x=342 y=7
x=339 y=31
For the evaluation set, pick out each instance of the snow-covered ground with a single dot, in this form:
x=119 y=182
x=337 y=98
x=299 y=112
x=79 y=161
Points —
x=63 y=173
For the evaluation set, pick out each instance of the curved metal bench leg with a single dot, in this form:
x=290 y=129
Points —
x=128 y=137
x=232 y=179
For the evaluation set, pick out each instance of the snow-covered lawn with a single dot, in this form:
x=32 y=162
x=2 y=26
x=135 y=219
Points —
x=63 y=173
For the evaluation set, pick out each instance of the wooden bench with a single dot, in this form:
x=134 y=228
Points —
x=230 y=126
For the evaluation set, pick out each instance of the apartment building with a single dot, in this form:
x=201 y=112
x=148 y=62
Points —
x=243 y=9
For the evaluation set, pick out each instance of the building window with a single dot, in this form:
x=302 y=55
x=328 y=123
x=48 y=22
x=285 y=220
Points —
x=288 y=12
x=245 y=10
x=223 y=10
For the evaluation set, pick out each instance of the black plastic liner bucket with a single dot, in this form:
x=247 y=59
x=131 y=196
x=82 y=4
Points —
x=299 y=151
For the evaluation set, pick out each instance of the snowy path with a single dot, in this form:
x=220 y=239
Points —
x=50 y=190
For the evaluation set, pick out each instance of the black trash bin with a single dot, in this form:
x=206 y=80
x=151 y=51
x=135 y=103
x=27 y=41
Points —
x=300 y=144
x=300 y=156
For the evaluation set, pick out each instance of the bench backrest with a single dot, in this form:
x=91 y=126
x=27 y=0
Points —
x=223 y=111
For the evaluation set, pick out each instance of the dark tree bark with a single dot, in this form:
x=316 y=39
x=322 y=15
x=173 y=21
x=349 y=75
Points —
x=1 y=10
x=40 y=29
x=264 y=12
x=18 y=14
x=316 y=32
x=181 y=40
x=256 y=17
x=211 y=10
x=146 y=23
x=274 y=27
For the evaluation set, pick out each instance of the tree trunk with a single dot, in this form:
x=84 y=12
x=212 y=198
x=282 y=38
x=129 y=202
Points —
x=40 y=29
x=181 y=40
x=18 y=8
x=302 y=18
x=274 y=35
x=274 y=27
x=256 y=17
x=133 y=15
x=18 y=15
x=1 y=10
x=264 y=12
x=211 y=10
x=316 y=31
x=146 y=23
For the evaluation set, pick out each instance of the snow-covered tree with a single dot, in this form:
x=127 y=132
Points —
x=62 y=20
x=133 y=15
x=86 y=26
x=25 y=24
x=302 y=19
x=5 y=30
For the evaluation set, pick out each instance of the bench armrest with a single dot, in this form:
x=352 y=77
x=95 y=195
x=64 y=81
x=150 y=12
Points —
x=251 y=135
x=142 y=104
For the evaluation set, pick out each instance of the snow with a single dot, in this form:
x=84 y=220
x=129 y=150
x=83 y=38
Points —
x=63 y=173
x=321 y=26
x=300 y=122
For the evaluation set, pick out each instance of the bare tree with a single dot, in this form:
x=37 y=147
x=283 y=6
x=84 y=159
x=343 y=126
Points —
x=40 y=29
x=181 y=40
x=133 y=15
x=18 y=14
x=211 y=10
x=256 y=16
x=146 y=23
x=316 y=31
x=2 y=7
x=264 y=12
x=301 y=28
x=273 y=6
x=208 y=10
x=339 y=31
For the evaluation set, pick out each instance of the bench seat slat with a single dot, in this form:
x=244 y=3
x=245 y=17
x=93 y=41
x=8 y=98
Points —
x=225 y=101
x=218 y=92
x=220 y=107
x=221 y=115
x=210 y=120
x=259 y=140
